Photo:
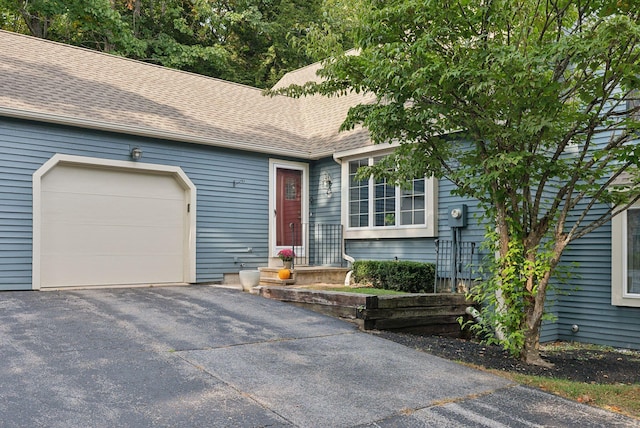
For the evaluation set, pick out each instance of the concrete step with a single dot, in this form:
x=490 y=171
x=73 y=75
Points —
x=305 y=275
x=276 y=281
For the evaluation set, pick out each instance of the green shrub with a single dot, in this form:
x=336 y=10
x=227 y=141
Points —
x=410 y=277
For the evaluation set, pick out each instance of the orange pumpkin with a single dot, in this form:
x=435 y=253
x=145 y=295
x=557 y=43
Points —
x=284 y=274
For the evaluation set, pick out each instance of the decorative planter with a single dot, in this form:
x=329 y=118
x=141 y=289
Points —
x=287 y=264
x=249 y=279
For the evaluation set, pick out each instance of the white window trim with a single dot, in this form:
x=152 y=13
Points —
x=619 y=295
x=428 y=230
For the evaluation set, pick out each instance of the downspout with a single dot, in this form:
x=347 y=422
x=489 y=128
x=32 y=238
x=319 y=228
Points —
x=350 y=260
x=345 y=256
x=473 y=313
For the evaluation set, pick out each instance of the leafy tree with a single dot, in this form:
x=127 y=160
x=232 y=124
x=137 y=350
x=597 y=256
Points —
x=528 y=107
x=177 y=34
x=94 y=24
x=333 y=32
x=246 y=41
x=263 y=41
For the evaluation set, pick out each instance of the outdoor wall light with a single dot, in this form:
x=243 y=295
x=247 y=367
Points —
x=326 y=183
x=136 y=154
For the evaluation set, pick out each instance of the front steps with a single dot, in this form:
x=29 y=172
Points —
x=304 y=275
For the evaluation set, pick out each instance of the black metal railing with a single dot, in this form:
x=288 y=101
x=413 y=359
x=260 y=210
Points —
x=456 y=266
x=317 y=244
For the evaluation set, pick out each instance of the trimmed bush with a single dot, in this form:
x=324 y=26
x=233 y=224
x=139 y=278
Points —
x=410 y=277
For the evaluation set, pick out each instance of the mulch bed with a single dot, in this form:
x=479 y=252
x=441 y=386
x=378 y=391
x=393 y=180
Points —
x=582 y=365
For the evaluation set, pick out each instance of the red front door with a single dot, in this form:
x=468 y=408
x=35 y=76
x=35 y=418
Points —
x=288 y=207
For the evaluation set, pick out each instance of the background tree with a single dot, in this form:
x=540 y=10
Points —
x=245 y=41
x=333 y=33
x=95 y=24
x=173 y=33
x=527 y=106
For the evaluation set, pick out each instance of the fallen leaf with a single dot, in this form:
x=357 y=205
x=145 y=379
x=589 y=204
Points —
x=584 y=399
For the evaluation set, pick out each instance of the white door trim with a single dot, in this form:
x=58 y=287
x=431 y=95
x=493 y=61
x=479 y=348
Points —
x=175 y=171
x=274 y=164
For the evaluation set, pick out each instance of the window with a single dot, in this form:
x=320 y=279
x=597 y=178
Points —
x=377 y=209
x=634 y=102
x=291 y=189
x=358 y=197
x=633 y=252
x=412 y=204
x=625 y=258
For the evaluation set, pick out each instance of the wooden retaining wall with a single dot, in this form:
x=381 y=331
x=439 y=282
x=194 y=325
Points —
x=423 y=313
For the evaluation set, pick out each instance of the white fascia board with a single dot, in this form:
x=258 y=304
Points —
x=367 y=150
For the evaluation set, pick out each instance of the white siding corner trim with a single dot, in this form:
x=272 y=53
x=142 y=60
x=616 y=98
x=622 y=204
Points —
x=100 y=222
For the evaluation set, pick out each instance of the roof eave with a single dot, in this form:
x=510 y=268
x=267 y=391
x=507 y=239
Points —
x=149 y=133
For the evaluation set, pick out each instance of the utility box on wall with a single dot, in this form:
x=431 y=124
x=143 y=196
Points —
x=458 y=216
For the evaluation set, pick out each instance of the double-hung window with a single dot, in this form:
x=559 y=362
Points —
x=625 y=258
x=377 y=209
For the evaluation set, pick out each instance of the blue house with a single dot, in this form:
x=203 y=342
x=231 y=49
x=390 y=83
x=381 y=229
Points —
x=114 y=172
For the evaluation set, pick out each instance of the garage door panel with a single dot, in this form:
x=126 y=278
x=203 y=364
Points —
x=82 y=270
x=88 y=180
x=75 y=208
x=108 y=240
x=111 y=227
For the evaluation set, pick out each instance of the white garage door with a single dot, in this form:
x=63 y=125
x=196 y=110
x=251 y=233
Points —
x=105 y=226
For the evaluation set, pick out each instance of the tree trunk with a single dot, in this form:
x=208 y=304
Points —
x=531 y=350
x=534 y=307
x=38 y=26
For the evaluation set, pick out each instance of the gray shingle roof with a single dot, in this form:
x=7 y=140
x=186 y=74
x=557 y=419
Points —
x=53 y=82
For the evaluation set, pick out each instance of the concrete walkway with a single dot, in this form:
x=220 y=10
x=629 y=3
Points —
x=201 y=356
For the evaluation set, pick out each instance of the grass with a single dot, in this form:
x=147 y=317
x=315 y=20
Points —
x=620 y=398
x=361 y=290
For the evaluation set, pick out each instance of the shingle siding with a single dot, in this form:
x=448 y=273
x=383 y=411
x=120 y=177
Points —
x=229 y=218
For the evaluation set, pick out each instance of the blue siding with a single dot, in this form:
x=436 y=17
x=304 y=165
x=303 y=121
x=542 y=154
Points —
x=324 y=208
x=228 y=218
x=585 y=299
x=324 y=214
x=588 y=299
x=417 y=249
x=474 y=232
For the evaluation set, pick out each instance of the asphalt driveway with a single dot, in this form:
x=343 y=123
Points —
x=202 y=356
